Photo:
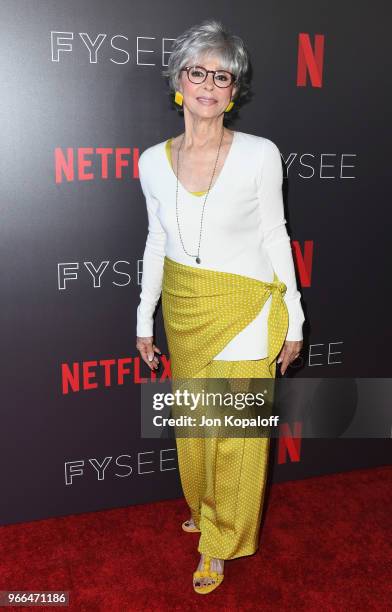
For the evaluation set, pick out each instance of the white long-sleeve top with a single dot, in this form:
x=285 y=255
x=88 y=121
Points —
x=244 y=232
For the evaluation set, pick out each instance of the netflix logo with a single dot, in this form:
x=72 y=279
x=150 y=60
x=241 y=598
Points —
x=89 y=163
x=101 y=373
x=289 y=443
x=310 y=61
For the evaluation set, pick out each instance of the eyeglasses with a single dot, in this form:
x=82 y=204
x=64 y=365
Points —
x=198 y=74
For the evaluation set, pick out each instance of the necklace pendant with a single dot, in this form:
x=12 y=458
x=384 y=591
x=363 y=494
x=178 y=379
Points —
x=198 y=260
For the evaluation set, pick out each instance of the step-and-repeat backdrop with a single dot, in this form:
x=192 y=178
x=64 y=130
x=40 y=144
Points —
x=82 y=96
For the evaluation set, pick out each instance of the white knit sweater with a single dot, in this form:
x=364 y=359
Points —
x=244 y=231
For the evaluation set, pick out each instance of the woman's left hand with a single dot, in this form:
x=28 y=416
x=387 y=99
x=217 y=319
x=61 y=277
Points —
x=289 y=353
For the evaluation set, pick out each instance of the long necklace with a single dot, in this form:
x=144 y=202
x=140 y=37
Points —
x=198 y=260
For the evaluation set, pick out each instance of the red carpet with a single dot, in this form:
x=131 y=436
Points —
x=325 y=545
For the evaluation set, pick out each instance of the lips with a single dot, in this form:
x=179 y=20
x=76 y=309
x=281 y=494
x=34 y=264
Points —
x=206 y=100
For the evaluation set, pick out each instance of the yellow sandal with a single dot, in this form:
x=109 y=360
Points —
x=206 y=572
x=187 y=526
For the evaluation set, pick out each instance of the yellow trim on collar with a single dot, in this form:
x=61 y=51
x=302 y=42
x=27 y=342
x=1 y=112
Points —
x=168 y=153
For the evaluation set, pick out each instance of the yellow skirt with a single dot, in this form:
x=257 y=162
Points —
x=223 y=479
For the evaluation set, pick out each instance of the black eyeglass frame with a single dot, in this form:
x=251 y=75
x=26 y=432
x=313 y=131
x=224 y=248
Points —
x=187 y=68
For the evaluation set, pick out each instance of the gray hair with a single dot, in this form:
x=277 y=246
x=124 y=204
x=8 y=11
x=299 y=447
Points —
x=210 y=37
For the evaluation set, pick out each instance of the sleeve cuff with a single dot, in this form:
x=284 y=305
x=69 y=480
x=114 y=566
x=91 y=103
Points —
x=296 y=321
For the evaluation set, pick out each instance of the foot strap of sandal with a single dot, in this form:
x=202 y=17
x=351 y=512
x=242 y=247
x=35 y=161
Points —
x=206 y=572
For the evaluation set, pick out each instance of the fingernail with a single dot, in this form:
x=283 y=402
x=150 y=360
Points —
x=150 y=357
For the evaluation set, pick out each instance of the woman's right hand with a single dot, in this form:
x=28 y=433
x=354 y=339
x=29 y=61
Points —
x=147 y=350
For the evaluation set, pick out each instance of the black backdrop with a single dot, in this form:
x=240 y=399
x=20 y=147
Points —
x=81 y=84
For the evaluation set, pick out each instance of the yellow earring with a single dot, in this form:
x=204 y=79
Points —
x=229 y=106
x=178 y=98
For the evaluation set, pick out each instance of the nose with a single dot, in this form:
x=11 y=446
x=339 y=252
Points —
x=209 y=82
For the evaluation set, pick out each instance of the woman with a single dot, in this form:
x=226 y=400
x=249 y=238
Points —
x=230 y=301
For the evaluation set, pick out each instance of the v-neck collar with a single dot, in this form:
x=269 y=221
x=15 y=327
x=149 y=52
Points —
x=228 y=156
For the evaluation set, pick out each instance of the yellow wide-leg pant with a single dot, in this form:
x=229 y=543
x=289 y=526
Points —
x=223 y=479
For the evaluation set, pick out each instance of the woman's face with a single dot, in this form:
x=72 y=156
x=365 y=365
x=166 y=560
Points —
x=206 y=99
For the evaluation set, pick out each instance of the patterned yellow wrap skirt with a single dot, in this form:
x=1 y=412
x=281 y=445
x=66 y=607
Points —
x=223 y=479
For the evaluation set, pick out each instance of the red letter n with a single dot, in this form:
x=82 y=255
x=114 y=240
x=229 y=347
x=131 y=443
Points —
x=289 y=444
x=63 y=165
x=310 y=61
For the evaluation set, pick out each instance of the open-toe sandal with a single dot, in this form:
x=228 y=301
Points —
x=206 y=572
x=190 y=527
